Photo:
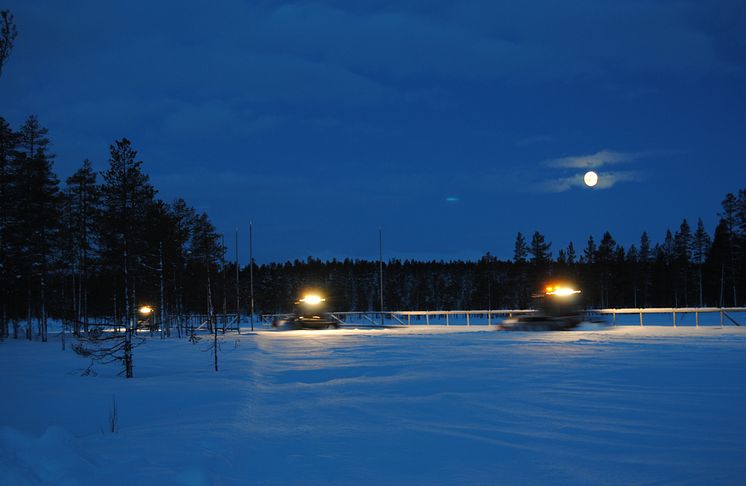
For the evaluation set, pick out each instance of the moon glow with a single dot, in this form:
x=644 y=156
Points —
x=590 y=178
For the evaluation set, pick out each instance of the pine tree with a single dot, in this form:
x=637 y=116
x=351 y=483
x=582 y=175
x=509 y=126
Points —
x=741 y=241
x=604 y=260
x=633 y=261
x=644 y=258
x=126 y=196
x=588 y=272
x=83 y=201
x=539 y=250
x=716 y=265
x=571 y=254
x=700 y=249
x=519 y=259
x=38 y=216
x=177 y=247
x=8 y=205
x=521 y=250
x=729 y=216
x=589 y=254
x=206 y=251
x=682 y=259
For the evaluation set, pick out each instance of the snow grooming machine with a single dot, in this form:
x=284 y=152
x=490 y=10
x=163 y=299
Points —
x=557 y=309
x=309 y=312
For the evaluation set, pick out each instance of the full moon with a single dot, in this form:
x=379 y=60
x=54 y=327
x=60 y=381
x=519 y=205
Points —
x=590 y=178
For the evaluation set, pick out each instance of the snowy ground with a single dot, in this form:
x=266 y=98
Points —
x=623 y=405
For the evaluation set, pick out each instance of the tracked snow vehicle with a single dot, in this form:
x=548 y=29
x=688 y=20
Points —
x=309 y=312
x=558 y=308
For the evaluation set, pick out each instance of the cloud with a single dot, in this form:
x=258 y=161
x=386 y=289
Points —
x=606 y=180
x=606 y=157
x=599 y=159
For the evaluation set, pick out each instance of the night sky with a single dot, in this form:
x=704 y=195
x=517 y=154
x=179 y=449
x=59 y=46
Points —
x=450 y=125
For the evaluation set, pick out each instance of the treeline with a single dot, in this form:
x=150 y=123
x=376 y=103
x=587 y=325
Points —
x=101 y=244
x=688 y=268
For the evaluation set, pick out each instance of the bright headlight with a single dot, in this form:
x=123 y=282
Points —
x=312 y=299
x=560 y=291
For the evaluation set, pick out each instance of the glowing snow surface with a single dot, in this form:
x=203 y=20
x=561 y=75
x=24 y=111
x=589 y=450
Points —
x=441 y=405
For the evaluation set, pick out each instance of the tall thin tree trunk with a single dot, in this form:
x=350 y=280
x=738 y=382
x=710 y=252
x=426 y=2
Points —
x=64 y=317
x=238 y=292
x=162 y=310
x=225 y=286
x=5 y=331
x=210 y=310
x=42 y=297
x=127 y=314
x=178 y=310
x=29 y=319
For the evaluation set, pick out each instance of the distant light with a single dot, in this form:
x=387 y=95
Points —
x=590 y=178
x=145 y=310
x=452 y=199
x=312 y=299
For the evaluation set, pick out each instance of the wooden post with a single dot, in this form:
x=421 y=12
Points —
x=696 y=317
x=468 y=321
x=674 y=318
x=641 y=318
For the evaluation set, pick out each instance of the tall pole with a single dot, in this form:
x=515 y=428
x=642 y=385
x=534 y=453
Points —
x=251 y=271
x=225 y=283
x=238 y=293
x=162 y=310
x=380 y=267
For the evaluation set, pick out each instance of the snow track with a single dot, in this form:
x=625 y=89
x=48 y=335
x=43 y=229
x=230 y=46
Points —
x=440 y=405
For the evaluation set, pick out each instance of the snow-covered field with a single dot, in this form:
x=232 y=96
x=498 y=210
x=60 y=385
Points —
x=623 y=405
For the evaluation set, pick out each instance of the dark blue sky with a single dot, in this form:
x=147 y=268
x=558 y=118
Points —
x=451 y=125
